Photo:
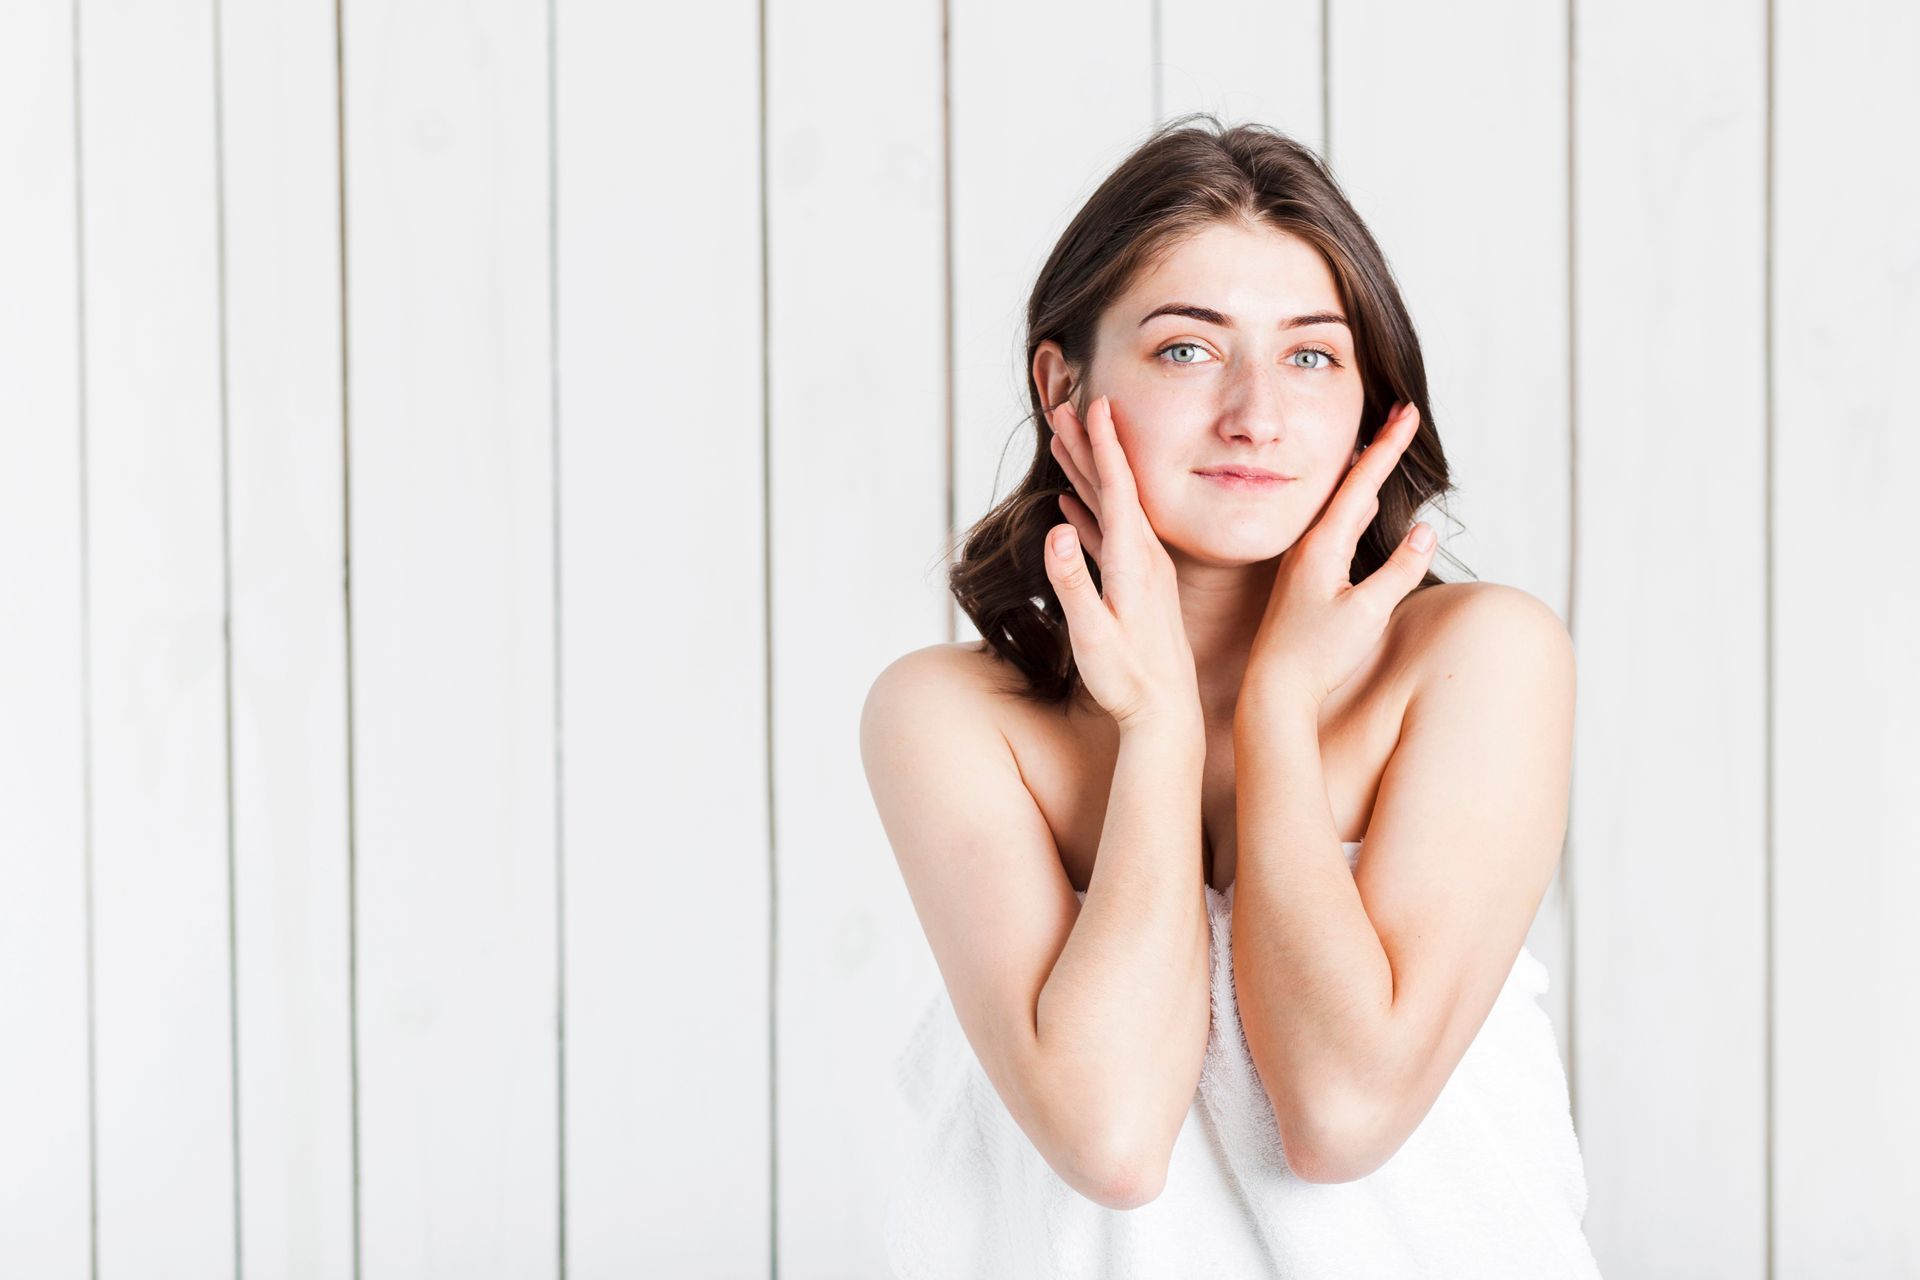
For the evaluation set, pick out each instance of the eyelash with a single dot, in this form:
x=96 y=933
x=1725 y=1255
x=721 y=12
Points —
x=1333 y=362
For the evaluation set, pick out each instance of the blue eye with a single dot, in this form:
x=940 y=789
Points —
x=1175 y=346
x=1331 y=362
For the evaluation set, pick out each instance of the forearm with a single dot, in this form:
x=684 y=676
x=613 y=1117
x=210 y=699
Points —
x=1313 y=982
x=1123 y=1016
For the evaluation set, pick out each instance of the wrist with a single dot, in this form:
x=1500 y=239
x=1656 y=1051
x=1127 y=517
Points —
x=1270 y=693
x=1172 y=728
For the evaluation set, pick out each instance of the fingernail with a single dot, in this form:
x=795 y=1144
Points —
x=1063 y=540
x=1422 y=536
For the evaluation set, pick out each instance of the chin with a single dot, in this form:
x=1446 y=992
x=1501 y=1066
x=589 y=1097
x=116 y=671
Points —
x=1233 y=552
x=1240 y=537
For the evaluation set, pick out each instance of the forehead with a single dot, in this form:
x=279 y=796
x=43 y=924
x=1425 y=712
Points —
x=1259 y=273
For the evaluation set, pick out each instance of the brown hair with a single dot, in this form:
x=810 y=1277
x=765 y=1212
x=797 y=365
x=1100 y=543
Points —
x=1190 y=174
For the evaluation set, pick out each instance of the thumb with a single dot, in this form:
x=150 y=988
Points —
x=1410 y=559
x=1067 y=570
x=1404 y=568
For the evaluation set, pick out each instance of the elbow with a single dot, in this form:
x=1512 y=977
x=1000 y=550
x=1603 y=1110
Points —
x=1335 y=1145
x=1327 y=1165
x=1121 y=1179
x=1127 y=1186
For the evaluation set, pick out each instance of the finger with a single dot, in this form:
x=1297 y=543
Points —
x=1076 y=454
x=1382 y=454
x=1122 y=522
x=1083 y=523
x=1082 y=487
x=1386 y=586
x=1355 y=503
x=1067 y=571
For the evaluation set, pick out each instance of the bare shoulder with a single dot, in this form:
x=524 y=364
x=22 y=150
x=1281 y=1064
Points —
x=1482 y=625
x=938 y=710
x=955 y=678
x=1431 y=610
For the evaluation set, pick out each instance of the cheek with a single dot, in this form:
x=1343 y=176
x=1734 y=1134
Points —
x=1155 y=467
x=1160 y=478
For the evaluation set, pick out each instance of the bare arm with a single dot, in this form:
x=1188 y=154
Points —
x=1091 y=1021
x=1124 y=1016
x=1362 y=992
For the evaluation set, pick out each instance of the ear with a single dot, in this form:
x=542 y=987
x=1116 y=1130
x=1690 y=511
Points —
x=1053 y=377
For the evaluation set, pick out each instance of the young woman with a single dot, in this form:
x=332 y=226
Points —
x=1227 y=838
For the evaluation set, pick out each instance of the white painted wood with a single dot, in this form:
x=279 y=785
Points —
x=279 y=137
x=1448 y=129
x=450 y=533
x=859 y=407
x=1669 y=809
x=1243 y=61
x=158 y=705
x=663 y=624
x=44 y=1165
x=1846 y=693
x=1038 y=121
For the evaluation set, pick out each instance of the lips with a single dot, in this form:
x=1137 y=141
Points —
x=1245 y=473
x=1239 y=480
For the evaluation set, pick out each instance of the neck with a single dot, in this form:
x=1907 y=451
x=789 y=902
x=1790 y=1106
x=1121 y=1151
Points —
x=1222 y=606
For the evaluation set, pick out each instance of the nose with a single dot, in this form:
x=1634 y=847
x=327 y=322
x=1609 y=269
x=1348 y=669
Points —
x=1255 y=406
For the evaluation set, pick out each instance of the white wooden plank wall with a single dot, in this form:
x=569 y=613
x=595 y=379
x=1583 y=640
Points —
x=663 y=654
x=452 y=678
x=1669 y=842
x=1841 y=621
x=153 y=421
x=286 y=498
x=462 y=465
x=857 y=509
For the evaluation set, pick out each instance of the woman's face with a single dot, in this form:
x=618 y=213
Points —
x=1267 y=380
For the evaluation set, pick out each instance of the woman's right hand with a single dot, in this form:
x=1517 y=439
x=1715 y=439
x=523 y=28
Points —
x=1130 y=644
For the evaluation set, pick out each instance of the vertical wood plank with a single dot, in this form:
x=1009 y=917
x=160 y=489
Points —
x=1244 y=60
x=156 y=594
x=1023 y=164
x=450 y=532
x=1669 y=808
x=663 y=607
x=45 y=1171
x=857 y=424
x=1846 y=321
x=1448 y=132
x=279 y=139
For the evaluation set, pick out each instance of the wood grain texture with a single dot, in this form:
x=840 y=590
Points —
x=451 y=526
x=1669 y=831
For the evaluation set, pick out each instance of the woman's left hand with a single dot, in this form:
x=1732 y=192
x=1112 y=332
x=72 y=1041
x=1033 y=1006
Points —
x=1319 y=627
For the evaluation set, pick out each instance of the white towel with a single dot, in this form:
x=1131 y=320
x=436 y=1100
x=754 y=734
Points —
x=1489 y=1185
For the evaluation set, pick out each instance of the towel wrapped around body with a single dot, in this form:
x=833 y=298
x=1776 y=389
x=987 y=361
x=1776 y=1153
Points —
x=1489 y=1185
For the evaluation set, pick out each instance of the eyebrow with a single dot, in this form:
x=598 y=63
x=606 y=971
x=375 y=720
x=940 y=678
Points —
x=1210 y=316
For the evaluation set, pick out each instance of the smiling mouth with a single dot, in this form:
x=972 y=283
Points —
x=1235 y=479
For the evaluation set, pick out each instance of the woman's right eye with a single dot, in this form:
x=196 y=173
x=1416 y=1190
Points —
x=1175 y=346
